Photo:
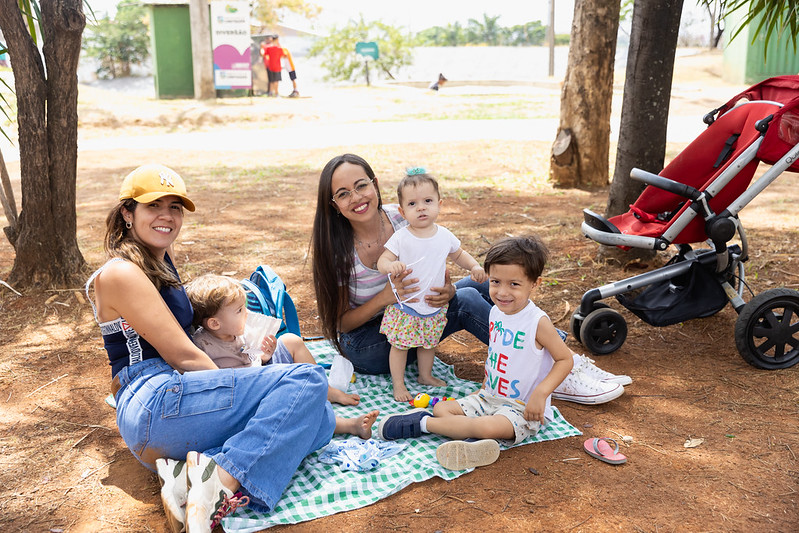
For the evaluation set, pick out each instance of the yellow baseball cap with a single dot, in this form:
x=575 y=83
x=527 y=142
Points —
x=152 y=181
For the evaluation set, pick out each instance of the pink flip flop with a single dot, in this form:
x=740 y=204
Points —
x=600 y=448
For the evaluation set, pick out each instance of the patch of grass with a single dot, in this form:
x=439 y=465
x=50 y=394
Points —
x=496 y=108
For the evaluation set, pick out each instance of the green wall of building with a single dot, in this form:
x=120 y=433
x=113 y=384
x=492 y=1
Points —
x=170 y=34
x=744 y=60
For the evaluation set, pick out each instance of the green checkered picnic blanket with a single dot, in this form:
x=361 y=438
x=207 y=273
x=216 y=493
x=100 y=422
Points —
x=318 y=489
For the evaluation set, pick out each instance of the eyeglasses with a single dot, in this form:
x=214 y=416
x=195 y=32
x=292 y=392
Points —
x=345 y=196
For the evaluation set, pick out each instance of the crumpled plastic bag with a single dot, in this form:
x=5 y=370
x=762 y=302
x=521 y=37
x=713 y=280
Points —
x=257 y=327
x=341 y=371
x=358 y=454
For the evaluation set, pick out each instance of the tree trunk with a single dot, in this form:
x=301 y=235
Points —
x=201 y=57
x=9 y=203
x=581 y=149
x=647 y=91
x=47 y=252
x=711 y=13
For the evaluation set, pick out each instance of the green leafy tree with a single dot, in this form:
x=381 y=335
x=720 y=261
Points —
x=562 y=39
x=338 y=49
x=473 y=32
x=529 y=34
x=434 y=36
x=449 y=35
x=488 y=31
x=268 y=12
x=120 y=43
x=454 y=34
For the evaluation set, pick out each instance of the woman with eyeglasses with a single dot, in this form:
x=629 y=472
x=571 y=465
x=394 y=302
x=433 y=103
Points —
x=350 y=228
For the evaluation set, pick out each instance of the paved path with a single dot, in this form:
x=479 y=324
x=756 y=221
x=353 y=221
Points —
x=307 y=136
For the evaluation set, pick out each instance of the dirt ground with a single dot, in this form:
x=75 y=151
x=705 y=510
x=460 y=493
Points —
x=65 y=468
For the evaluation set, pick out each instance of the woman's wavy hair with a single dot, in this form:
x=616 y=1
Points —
x=332 y=247
x=120 y=243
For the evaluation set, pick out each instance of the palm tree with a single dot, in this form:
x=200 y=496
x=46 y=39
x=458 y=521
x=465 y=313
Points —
x=454 y=34
x=487 y=31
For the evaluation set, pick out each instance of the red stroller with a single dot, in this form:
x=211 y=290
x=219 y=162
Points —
x=696 y=199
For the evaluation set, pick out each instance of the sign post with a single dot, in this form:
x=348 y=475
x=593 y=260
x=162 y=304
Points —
x=230 y=41
x=367 y=50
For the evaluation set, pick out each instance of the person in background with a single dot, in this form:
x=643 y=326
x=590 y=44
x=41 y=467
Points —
x=273 y=55
x=440 y=83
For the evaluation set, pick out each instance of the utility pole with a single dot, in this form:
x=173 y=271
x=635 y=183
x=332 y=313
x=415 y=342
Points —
x=202 y=64
x=551 y=38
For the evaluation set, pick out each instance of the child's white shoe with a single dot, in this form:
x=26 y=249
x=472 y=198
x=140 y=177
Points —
x=579 y=387
x=586 y=364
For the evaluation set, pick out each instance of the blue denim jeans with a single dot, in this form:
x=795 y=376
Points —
x=257 y=423
x=368 y=349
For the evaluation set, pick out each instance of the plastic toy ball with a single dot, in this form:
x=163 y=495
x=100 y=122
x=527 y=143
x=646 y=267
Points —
x=421 y=400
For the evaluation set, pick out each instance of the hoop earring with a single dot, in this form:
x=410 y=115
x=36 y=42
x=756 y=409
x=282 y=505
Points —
x=128 y=224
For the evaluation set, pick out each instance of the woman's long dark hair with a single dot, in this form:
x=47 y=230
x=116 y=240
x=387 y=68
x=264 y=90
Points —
x=332 y=247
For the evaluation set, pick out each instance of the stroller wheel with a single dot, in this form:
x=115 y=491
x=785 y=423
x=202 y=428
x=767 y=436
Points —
x=767 y=330
x=576 y=322
x=603 y=331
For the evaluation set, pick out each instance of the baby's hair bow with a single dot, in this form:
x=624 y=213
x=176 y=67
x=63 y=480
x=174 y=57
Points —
x=413 y=171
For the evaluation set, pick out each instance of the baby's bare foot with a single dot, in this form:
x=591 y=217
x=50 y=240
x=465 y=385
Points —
x=430 y=380
x=401 y=394
x=363 y=425
x=337 y=396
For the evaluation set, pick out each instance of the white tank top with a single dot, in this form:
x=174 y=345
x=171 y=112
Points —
x=515 y=366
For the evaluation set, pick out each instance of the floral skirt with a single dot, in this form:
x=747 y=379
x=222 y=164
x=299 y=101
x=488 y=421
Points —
x=405 y=331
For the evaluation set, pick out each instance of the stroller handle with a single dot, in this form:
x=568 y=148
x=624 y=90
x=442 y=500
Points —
x=680 y=189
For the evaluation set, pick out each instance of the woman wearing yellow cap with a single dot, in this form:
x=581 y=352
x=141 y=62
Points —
x=242 y=432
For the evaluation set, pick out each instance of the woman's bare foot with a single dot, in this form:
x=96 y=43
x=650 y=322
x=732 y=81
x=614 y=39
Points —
x=401 y=393
x=430 y=380
x=337 y=396
x=360 y=426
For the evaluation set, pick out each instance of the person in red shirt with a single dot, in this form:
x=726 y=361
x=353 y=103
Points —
x=273 y=54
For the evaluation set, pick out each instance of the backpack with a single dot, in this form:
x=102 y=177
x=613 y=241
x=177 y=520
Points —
x=266 y=294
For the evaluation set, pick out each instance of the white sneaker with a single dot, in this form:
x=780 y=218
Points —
x=579 y=387
x=208 y=499
x=586 y=364
x=172 y=475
